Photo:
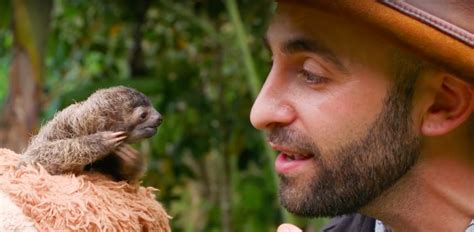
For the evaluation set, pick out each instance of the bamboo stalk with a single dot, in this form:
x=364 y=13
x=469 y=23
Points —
x=253 y=81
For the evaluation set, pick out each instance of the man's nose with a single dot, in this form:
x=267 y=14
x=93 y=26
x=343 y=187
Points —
x=272 y=106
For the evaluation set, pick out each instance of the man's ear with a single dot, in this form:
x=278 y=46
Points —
x=452 y=105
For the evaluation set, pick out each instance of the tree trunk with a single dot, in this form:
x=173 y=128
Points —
x=20 y=113
x=136 y=58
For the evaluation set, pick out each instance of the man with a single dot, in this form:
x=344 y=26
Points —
x=370 y=106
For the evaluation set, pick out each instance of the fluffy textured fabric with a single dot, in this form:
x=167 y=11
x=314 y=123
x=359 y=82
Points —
x=12 y=218
x=88 y=202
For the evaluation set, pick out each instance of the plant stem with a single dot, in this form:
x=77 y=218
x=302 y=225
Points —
x=252 y=78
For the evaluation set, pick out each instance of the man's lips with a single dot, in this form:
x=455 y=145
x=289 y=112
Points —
x=289 y=160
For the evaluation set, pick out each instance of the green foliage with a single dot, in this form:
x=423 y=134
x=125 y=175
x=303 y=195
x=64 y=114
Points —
x=5 y=14
x=207 y=160
x=6 y=41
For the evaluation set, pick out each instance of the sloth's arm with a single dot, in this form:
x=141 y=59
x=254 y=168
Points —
x=72 y=155
x=132 y=165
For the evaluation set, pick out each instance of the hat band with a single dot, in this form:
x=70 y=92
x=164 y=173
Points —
x=454 y=20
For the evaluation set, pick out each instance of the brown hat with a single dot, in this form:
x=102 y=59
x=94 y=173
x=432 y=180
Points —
x=442 y=31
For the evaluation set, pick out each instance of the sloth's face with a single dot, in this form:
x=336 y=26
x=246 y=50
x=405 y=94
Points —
x=145 y=121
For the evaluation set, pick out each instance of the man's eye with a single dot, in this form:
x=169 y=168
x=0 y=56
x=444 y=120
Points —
x=311 y=78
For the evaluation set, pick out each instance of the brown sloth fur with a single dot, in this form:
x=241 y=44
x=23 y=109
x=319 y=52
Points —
x=91 y=135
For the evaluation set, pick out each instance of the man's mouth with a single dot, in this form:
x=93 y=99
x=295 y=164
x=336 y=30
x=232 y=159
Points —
x=292 y=157
x=290 y=161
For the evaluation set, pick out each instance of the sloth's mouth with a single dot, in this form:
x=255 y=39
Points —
x=149 y=131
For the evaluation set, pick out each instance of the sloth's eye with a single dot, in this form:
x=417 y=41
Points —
x=143 y=115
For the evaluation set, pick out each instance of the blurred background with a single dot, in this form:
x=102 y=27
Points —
x=201 y=63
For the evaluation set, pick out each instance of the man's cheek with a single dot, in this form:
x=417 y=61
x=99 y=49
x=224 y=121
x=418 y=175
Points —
x=340 y=123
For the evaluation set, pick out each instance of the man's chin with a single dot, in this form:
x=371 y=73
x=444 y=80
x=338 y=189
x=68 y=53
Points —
x=310 y=201
x=295 y=207
x=296 y=201
x=312 y=210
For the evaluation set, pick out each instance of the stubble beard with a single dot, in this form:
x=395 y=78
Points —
x=360 y=170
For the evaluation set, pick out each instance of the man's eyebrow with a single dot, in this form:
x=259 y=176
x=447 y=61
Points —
x=311 y=46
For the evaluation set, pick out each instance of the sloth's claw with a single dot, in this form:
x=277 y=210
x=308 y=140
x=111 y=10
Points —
x=127 y=153
x=113 y=139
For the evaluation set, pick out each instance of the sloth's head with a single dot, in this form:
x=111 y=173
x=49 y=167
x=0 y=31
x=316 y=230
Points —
x=128 y=110
x=144 y=121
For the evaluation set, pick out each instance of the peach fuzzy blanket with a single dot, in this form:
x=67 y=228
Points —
x=79 y=203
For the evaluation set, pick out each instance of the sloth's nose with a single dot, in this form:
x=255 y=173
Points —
x=159 y=120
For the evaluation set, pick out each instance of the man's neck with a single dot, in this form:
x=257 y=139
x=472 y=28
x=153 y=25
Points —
x=436 y=195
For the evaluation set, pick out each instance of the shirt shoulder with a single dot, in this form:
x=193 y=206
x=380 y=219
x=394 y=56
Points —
x=351 y=222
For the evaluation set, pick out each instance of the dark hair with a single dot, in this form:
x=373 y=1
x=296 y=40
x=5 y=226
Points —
x=407 y=69
x=470 y=126
x=406 y=72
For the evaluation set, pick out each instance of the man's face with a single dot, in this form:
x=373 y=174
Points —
x=330 y=105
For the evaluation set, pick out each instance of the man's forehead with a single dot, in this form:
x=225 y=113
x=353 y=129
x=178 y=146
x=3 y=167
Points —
x=296 y=15
x=327 y=32
x=344 y=45
x=438 y=31
x=299 y=20
x=291 y=21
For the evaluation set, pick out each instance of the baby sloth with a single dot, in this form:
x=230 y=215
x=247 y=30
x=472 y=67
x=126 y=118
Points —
x=93 y=135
